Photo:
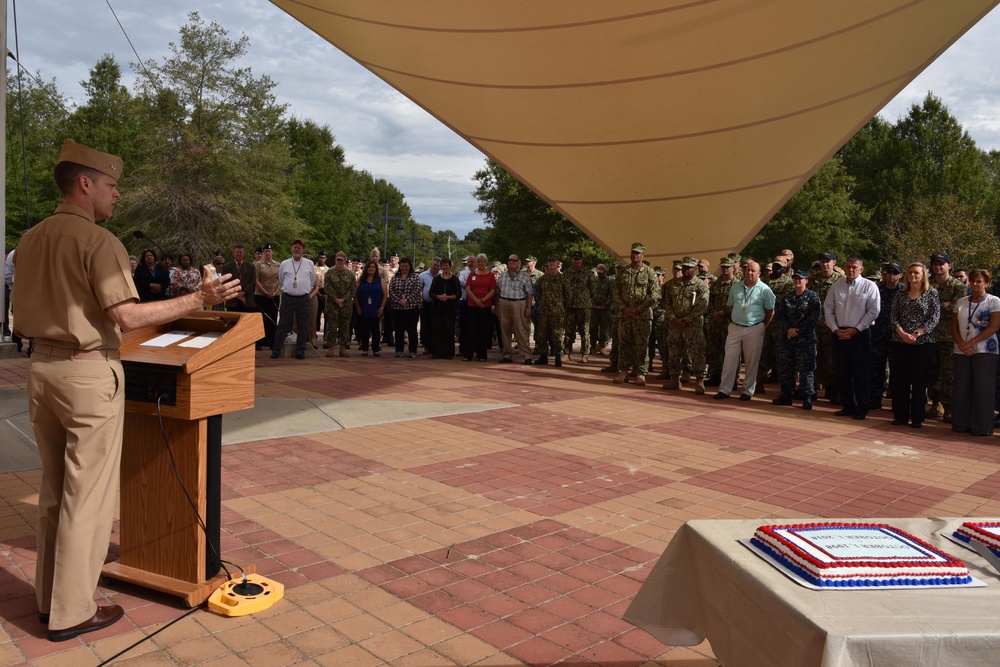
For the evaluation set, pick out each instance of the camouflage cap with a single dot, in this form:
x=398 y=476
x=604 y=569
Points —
x=677 y=265
x=531 y=258
x=660 y=271
x=638 y=247
x=689 y=262
x=727 y=262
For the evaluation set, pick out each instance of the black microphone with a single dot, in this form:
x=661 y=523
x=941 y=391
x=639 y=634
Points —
x=139 y=234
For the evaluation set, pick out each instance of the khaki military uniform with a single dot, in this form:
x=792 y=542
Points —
x=76 y=399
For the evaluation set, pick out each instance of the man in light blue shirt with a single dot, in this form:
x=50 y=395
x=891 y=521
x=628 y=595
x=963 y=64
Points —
x=751 y=307
x=850 y=308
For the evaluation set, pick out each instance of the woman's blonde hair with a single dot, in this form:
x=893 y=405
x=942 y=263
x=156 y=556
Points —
x=926 y=285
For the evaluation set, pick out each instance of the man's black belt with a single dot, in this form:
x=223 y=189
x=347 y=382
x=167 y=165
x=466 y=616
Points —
x=507 y=298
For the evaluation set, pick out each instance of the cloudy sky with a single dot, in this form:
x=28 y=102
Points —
x=380 y=130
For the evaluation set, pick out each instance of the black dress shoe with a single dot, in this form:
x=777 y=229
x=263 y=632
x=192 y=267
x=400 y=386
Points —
x=527 y=362
x=860 y=415
x=506 y=360
x=782 y=400
x=844 y=413
x=720 y=396
x=917 y=424
x=275 y=355
x=43 y=618
x=104 y=617
x=745 y=397
x=898 y=422
x=807 y=404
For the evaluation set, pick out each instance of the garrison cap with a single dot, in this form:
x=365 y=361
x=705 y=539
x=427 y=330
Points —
x=110 y=165
x=638 y=247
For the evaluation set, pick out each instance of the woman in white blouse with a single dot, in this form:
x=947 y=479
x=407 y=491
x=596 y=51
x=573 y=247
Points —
x=975 y=321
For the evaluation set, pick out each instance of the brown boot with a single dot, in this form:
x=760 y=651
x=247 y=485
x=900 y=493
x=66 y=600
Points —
x=332 y=351
x=584 y=358
x=672 y=383
x=622 y=378
x=343 y=351
x=640 y=379
x=699 y=386
x=936 y=411
x=946 y=414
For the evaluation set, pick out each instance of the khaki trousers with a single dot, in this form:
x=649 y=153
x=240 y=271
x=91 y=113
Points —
x=77 y=410
x=513 y=322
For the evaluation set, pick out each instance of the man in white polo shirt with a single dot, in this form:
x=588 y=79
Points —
x=297 y=279
x=751 y=307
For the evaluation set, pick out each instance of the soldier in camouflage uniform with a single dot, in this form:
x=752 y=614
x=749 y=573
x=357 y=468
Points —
x=797 y=315
x=533 y=275
x=552 y=293
x=684 y=304
x=340 y=284
x=657 y=334
x=781 y=284
x=635 y=293
x=705 y=272
x=717 y=316
x=888 y=288
x=942 y=377
x=579 y=299
x=820 y=283
x=600 y=312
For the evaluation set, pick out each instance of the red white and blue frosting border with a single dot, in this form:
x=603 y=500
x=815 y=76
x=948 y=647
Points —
x=980 y=531
x=927 y=566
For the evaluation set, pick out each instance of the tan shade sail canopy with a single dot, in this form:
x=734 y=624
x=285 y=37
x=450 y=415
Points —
x=684 y=124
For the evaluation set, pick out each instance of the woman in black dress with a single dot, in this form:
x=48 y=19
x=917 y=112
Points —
x=151 y=279
x=445 y=291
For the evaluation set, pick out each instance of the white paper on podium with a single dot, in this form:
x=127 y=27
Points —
x=203 y=340
x=167 y=339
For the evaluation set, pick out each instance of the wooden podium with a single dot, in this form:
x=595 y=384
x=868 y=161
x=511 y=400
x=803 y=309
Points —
x=163 y=544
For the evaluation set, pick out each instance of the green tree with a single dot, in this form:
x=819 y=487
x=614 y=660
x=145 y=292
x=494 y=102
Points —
x=40 y=112
x=215 y=169
x=110 y=119
x=942 y=224
x=820 y=217
x=522 y=222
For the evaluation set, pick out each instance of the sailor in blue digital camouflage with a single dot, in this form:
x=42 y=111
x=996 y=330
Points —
x=797 y=315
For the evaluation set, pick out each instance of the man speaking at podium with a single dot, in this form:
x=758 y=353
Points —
x=76 y=387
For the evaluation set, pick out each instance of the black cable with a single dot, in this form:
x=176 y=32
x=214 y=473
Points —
x=150 y=636
x=177 y=474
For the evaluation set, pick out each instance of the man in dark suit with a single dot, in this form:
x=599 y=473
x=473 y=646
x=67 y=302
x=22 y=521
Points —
x=240 y=267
